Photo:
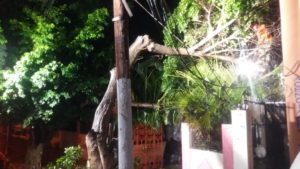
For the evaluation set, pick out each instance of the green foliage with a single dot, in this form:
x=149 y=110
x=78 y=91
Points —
x=248 y=11
x=169 y=80
x=3 y=52
x=196 y=87
x=209 y=95
x=273 y=81
x=68 y=160
x=146 y=80
x=93 y=28
x=137 y=162
x=2 y=38
x=149 y=117
x=179 y=21
x=33 y=75
x=58 y=63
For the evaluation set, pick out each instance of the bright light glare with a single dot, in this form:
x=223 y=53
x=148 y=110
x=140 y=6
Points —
x=248 y=68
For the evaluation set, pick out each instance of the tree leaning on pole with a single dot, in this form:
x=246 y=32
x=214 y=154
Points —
x=98 y=140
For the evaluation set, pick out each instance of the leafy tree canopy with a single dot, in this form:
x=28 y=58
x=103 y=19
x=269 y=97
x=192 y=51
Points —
x=62 y=58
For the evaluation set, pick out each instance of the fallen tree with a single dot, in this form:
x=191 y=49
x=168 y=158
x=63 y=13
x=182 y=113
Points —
x=99 y=138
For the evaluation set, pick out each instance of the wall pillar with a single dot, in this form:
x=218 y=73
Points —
x=227 y=146
x=241 y=139
x=290 y=28
x=185 y=145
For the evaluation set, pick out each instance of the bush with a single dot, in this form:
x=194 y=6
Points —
x=68 y=160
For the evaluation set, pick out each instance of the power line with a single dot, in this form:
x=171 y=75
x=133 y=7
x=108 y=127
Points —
x=160 y=23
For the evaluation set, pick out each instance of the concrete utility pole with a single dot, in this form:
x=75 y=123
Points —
x=123 y=87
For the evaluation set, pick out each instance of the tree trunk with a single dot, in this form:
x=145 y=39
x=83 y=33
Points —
x=100 y=154
x=94 y=160
x=99 y=147
x=33 y=159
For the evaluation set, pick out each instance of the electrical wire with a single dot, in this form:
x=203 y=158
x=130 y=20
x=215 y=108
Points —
x=293 y=70
x=149 y=13
x=160 y=23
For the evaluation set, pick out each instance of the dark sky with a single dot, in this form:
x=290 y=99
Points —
x=140 y=24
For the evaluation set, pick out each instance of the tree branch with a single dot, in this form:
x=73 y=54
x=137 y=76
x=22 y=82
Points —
x=210 y=36
x=182 y=52
x=219 y=43
x=145 y=105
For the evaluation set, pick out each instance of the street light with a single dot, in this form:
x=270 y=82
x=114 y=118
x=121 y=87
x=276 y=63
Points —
x=248 y=68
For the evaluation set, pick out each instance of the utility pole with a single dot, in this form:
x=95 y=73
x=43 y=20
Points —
x=123 y=87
